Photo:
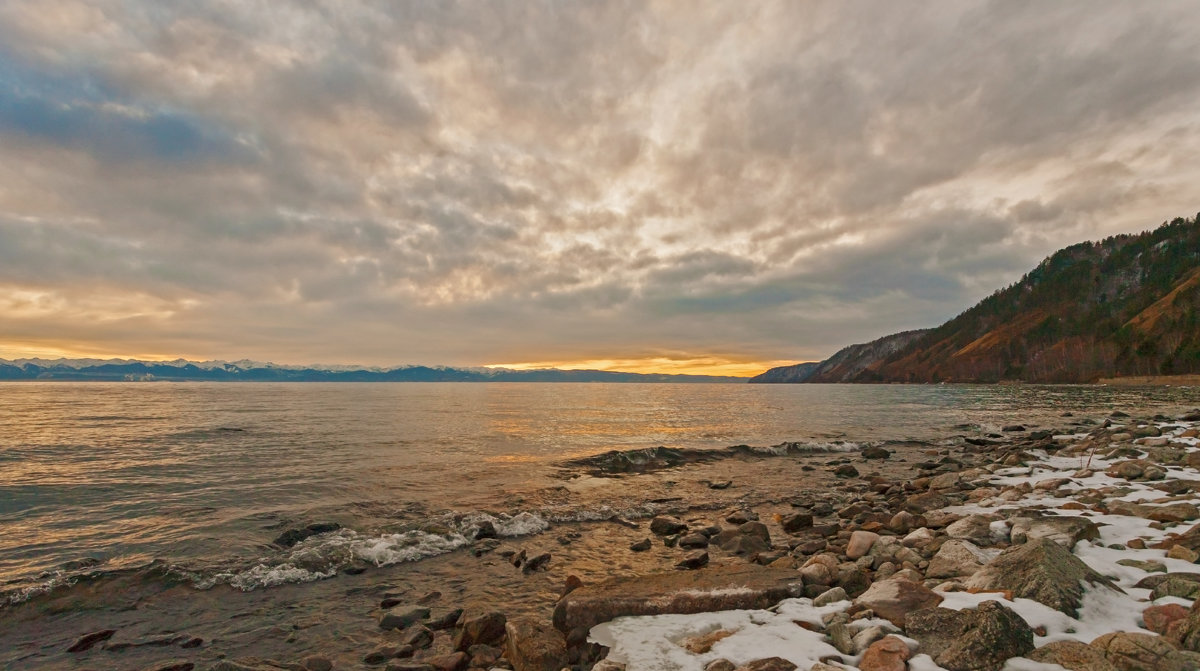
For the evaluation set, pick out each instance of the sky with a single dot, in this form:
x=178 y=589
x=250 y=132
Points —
x=712 y=187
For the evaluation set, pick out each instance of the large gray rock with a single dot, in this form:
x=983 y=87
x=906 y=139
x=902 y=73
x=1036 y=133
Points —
x=955 y=559
x=722 y=587
x=1066 y=531
x=895 y=598
x=1142 y=652
x=981 y=639
x=976 y=528
x=1072 y=655
x=1041 y=570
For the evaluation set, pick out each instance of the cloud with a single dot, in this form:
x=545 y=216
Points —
x=466 y=184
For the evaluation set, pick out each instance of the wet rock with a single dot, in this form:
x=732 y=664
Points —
x=87 y=641
x=480 y=629
x=383 y=654
x=443 y=618
x=796 y=523
x=693 y=560
x=486 y=530
x=572 y=583
x=409 y=666
x=1041 y=570
x=317 y=663
x=694 y=541
x=418 y=636
x=740 y=517
x=755 y=528
x=666 y=526
x=641 y=546
x=887 y=654
x=875 y=452
x=1066 y=530
x=768 y=664
x=399 y=617
x=533 y=645
x=846 y=471
x=1141 y=652
x=293 y=536
x=860 y=543
x=982 y=639
x=743 y=545
x=174 y=665
x=536 y=563
x=725 y=587
x=455 y=661
x=956 y=559
x=1072 y=655
x=893 y=599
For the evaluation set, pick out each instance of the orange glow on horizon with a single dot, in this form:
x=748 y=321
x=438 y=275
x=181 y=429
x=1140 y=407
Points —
x=657 y=365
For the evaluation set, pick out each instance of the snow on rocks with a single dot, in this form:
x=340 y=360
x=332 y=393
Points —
x=1046 y=550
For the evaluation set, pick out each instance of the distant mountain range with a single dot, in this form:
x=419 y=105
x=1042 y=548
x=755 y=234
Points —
x=253 y=371
x=1124 y=306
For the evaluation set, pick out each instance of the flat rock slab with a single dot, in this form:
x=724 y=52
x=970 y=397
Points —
x=716 y=588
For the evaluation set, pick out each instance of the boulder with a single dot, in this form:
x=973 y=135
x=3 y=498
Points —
x=1072 y=655
x=982 y=639
x=977 y=528
x=641 y=546
x=796 y=522
x=895 y=598
x=875 y=452
x=1041 y=570
x=923 y=503
x=694 y=541
x=1065 y=530
x=724 y=587
x=665 y=526
x=955 y=559
x=480 y=629
x=860 y=543
x=887 y=654
x=534 y=645
x=693 y=560
x=1141 y=652
x=1159 y=618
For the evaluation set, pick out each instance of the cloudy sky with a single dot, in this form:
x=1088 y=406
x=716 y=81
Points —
x=714 y=186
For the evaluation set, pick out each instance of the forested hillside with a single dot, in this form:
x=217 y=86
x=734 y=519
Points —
x=1126 y=305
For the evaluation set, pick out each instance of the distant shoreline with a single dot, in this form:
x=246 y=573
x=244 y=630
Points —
x=1152 y=381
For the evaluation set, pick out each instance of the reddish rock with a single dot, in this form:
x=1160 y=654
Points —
x=886 y=654
x=1159 y=618
x=895 y=598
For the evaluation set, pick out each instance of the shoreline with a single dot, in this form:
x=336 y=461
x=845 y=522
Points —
x=754 y=529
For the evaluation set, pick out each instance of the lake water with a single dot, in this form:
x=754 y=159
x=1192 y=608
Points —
x=195 y=480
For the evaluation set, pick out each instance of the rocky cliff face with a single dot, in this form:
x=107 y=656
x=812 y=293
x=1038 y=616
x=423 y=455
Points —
x=1125 y=306
x=847 y=365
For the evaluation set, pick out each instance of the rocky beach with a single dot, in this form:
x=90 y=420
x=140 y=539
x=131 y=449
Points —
x=1032 y=547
